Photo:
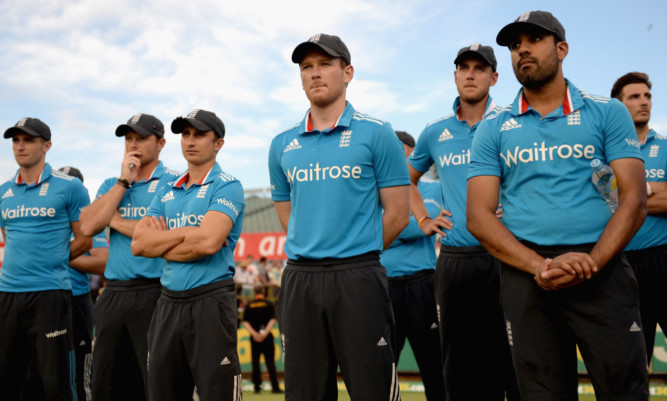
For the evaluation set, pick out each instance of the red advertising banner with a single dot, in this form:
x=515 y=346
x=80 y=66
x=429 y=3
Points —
x=271 y=245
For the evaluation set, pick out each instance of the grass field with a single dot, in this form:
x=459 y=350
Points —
x=585 y=390
x=342 y=396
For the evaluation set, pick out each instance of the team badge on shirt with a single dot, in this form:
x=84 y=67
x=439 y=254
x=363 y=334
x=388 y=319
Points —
x=44 y=189
x=574 y=118
x=653 y=151
x=201 y=194
x=345 y=137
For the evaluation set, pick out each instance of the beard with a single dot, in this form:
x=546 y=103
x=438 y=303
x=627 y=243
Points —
x=545 y=72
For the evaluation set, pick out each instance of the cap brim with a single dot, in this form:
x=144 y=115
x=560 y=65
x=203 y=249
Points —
x=301 y=50
x=20 y=130
x=123 y=129
x=472 y=54
x=511 y=31
x=179 y=124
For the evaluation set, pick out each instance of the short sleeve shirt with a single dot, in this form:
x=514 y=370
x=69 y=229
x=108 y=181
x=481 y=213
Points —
x=37 y=219
x=122 y=265
x=186 y=207
x=81 y=280
x=332 y=178
x=446 y=142
x=414 y=251
x=654 y=230
x=544 y=164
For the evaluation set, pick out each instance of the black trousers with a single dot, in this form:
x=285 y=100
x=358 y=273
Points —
x=36 y=356
x=650 y=267
x=82 y=322
x=266 y=348
x=417 y=321
x=337 y=312
x=192 y=342
x=472 y=331
x=600 y=316
x=122 y=315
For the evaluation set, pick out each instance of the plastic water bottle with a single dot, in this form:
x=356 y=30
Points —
x=605 y=182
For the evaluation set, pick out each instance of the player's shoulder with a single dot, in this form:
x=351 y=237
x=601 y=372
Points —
x=499 y=113
x=365 y=119
x=59 y=175
x=171 y=173
x=660 y=137
x=441 y=121
x=594 y=100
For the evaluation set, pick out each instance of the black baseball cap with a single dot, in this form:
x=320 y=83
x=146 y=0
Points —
x=477 y=51
x=142 y=124
x=540 y=19
x=73 y=171
x=330 y=44
x=31 y=126
x=202 y=120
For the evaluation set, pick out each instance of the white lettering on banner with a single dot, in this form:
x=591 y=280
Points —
x=318 y=173
x=22 y=211
x=544 y=153
x=185 y=220
x=268 y=244
x=128 y=212
x=655 y=173
x=455 y=159
x=272 y=246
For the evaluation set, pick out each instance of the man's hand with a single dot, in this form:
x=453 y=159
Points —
x=657 y=186
x=129 y=168
x=566 y=270
x=432 y=226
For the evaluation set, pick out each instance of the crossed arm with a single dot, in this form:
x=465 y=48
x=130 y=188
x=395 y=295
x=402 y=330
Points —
x=152 y=238
x=80 y=244
x=95 y=263
x=570 y=268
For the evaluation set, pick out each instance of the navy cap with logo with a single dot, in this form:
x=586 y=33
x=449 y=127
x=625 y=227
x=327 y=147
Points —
x=142 y=124
x=201 y=120
x=73 y=171
x=31 y=126
x=330 y=44
x=541 y=19
x=477 y=51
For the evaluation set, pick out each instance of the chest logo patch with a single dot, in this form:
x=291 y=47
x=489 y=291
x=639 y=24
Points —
x=345 y=137
x=653 y=152
x=44 y=189
x=167 y=197
x=292 y=146
x=510 y=124
x=446 y=135
x=8 y=194
x=574 y=118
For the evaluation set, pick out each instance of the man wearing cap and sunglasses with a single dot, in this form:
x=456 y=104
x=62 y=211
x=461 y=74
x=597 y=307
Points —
x=40 y=210
x=194 y=224
x=565 y=281
x=340 y=185
x=123 y=311
x=467 y=278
